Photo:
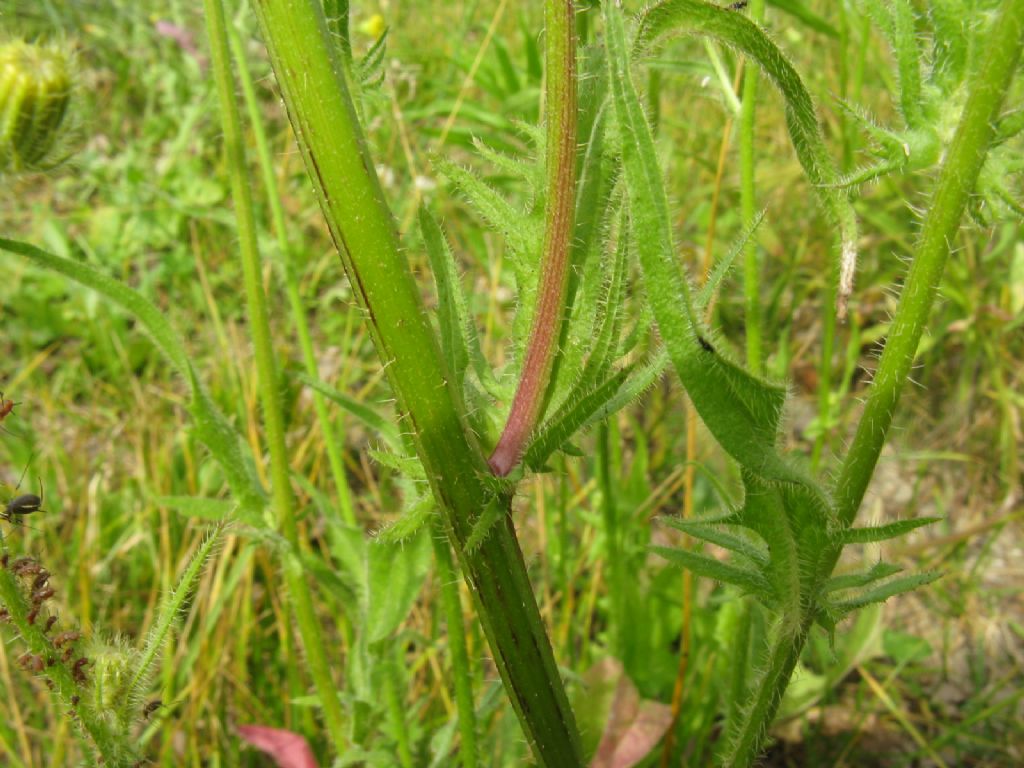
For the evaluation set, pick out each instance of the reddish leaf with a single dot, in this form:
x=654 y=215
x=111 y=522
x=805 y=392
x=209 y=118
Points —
x=632 y=730
x=288 y=749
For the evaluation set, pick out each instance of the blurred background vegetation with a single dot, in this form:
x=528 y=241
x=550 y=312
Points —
x=934 y=678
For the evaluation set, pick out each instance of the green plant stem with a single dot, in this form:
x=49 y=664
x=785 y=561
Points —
x=462 y=673
x=560 y=116
x=332 y=441
x=751 y=265
x=282 y=500
x=957 y=179
x=759 y=712
x=112 y=743
x=322 y=113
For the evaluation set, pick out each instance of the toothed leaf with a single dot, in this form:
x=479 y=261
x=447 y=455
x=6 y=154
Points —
x=531 y=172
x=521 y=232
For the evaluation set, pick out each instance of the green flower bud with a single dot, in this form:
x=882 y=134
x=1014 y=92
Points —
x=35 y=89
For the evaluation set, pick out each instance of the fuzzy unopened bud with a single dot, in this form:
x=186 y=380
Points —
x=35 y=90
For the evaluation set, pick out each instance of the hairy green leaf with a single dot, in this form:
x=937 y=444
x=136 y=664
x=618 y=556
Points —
x=861 y=578
x=453 y=316
x=407 y=466
x=412 y=520
x=741 y=411
x=746 y=579
x=702 y=530
x=880 y=594
x=884 y=532
x=574 y=413
x=734 y=29
x=483 y=525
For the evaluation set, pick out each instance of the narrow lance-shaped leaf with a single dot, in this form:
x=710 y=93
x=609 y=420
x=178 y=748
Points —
x=746 y=579
x=884 y=532
x=451 y=305
x=882 y=593
x=739 y=410
x=712 y=534
x=413 y=519
x=577 y=411
x=724 y=264
x=612 y=301
x=861 y=578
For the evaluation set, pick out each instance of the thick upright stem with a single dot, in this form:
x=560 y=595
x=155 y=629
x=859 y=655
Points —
x=560 y=111
x=320 y=107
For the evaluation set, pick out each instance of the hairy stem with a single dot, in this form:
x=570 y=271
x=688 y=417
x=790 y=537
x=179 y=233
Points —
x=323 y=115
x=560 y=111
x=957 y=179
x=282 y=498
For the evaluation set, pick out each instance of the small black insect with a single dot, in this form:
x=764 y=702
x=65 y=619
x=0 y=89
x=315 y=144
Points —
x=705 y=344
x=738 y=6
x=22 y=505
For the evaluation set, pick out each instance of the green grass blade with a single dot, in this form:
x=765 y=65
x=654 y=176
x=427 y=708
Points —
x=382 y=425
